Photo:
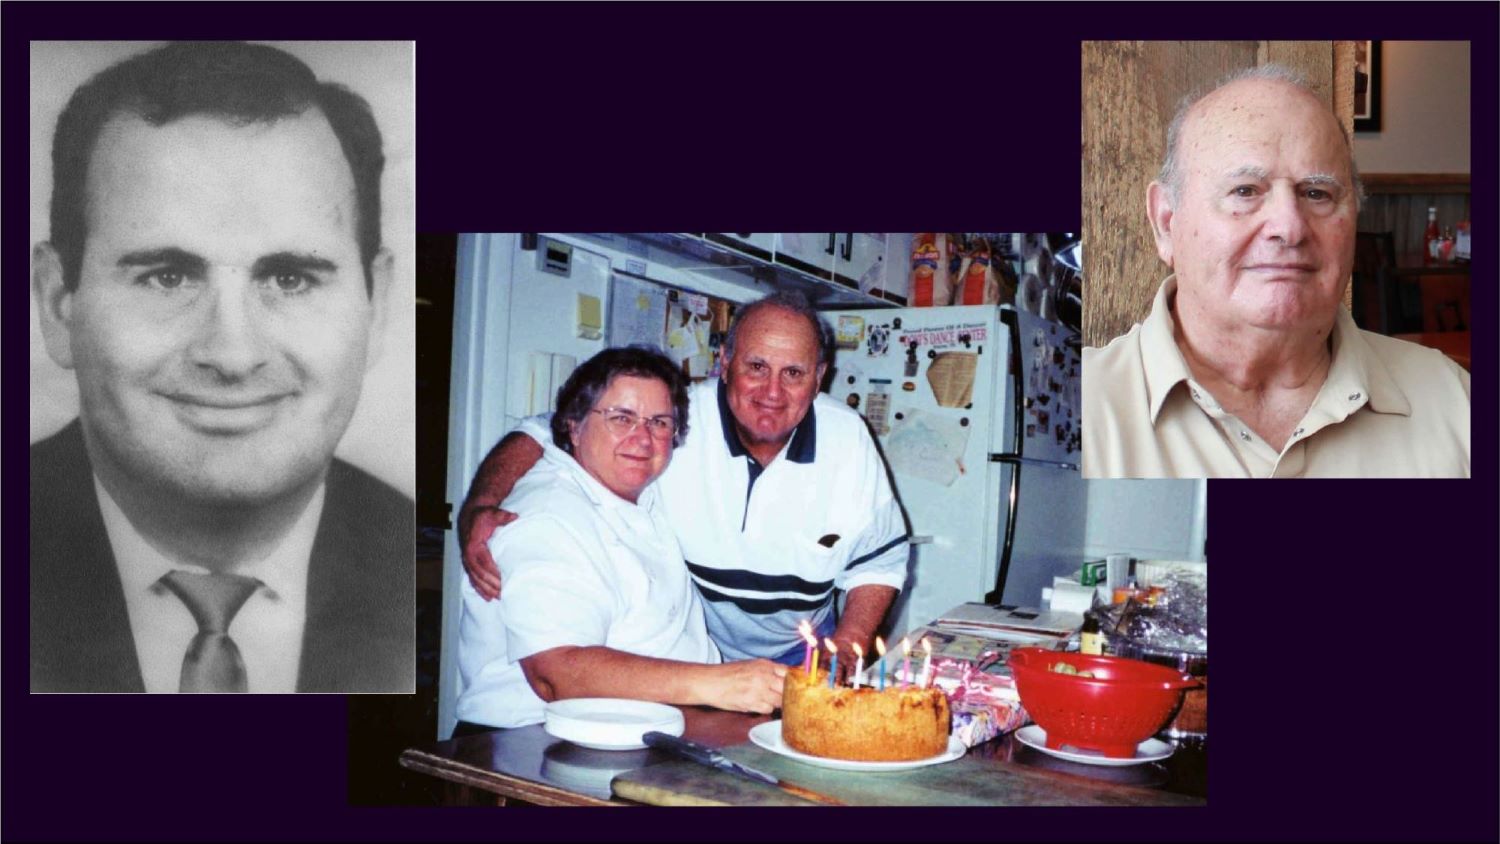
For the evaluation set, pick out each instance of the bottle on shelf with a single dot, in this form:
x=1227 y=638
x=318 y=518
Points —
x=1431 y=239
x=1121 y=594
x=1090 y=637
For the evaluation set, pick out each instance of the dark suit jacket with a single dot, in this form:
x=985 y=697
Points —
x=360 y=631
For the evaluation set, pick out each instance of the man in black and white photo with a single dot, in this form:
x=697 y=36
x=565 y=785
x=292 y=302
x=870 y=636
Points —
x=216 y=281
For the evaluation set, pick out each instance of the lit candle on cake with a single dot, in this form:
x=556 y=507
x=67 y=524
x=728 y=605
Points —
x=905 y=662
x=927 y=666
x=859 y=662
x=833 y=661
x=812 y=642
x=880 y=646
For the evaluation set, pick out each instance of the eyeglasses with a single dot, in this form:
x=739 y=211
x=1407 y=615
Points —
x=622 y=423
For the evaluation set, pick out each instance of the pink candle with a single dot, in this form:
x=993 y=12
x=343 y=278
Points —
x=905 y=661
x=807 y=637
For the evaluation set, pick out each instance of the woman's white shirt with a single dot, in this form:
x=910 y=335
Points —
x=580 y=566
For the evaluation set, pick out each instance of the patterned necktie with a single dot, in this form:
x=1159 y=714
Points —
x=213 y=662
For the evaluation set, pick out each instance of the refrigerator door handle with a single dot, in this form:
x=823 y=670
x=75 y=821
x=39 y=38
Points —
x=1016 y=443
x=1012 y=502
x=1018 y=460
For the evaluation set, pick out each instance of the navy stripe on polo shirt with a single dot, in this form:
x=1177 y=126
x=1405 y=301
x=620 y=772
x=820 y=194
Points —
x=741 y=579
x=763 y=606
x=865 y=558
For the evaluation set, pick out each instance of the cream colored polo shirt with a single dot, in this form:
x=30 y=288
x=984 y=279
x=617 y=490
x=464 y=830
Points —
x=1388 y=409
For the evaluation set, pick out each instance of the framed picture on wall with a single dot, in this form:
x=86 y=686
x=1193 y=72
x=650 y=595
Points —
x=1367 y=86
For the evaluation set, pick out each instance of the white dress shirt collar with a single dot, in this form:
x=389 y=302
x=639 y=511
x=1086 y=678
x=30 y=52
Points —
x=267 y=629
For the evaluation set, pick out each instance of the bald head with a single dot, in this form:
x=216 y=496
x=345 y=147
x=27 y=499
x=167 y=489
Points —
x=1252 y=94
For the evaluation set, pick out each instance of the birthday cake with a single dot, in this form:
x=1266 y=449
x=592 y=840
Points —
x=862 y=725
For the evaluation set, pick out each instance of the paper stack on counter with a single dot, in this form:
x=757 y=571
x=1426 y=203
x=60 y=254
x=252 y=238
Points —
x=983 y=635
x=1012 y=624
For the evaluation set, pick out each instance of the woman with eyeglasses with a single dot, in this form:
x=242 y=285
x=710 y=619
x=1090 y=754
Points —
x=597 y=600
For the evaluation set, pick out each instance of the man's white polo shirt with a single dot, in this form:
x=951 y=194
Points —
x=768 y=545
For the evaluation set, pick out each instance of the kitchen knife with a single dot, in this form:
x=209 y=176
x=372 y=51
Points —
x=704 y=755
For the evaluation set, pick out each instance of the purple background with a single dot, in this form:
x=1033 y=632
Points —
x=1336 y=715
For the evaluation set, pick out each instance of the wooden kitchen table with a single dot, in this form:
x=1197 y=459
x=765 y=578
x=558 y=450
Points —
x=528 y=766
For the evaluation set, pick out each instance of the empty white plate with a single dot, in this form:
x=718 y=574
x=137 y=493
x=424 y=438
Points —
x=605 y=723
x=1150 y=750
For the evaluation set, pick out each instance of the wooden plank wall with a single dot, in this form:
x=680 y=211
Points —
x=1130 y=92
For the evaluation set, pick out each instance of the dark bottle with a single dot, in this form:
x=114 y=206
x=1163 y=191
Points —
x=1090 y=637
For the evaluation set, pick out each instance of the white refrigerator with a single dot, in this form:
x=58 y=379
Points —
x=977 y=412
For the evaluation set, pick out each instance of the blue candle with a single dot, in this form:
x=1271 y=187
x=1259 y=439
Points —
x=880 y=646
x=812 y=644
x=833 y=660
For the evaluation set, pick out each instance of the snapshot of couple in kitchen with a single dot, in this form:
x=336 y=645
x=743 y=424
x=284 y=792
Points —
x=718 y=541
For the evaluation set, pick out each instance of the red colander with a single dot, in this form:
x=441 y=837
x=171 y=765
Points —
x=1124 y=703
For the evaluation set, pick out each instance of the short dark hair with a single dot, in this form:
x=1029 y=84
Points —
x=786 y=300
x=589 y=381
x=241 y=83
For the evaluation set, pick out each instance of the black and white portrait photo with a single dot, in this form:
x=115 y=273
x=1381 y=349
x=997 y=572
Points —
x=222 y=334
